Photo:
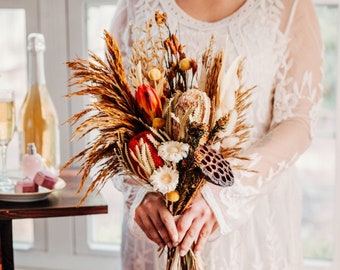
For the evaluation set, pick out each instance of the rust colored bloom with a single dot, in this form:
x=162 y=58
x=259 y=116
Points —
x=172 y=196
x=143 y=152
x=194 y=66
x=148 y=102
x=160 y=18
x=175 y=41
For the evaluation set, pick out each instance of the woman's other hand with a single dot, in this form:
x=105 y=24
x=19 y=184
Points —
x=195 y=226
x=156 y=221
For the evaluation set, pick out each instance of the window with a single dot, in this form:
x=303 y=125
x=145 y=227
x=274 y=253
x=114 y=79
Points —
x=13 y=75
x=104 y=231
x=317 y=167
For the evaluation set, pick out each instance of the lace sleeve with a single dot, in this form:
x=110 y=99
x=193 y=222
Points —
x=297 y=96
x=120 y=27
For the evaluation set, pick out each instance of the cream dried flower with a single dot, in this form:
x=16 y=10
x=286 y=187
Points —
x=229 y=83
x=173 y=151
x=164 y=179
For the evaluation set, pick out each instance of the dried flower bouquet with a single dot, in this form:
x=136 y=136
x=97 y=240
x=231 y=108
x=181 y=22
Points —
x=171 y=125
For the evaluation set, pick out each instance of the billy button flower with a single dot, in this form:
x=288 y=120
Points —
x=188 y=63
x=172 y=196
x=148 y=102
x=184 y=64
x=155 y=74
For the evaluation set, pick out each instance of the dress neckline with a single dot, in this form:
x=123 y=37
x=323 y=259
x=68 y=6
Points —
x=176 y=11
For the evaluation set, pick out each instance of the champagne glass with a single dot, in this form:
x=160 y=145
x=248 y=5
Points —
x=7 y=127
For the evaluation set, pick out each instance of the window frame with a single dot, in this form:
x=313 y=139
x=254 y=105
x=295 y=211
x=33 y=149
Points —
x=65 y=20
x=335 y=264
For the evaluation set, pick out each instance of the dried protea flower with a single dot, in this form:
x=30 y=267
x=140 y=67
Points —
x=192 y=106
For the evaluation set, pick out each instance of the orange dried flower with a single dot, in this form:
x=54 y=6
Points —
x=148 y=103
x=185 y=64
x=160 y=18
x=172 y=196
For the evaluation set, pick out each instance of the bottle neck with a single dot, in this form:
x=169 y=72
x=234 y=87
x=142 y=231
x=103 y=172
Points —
x=31 y=149
x=36 y=68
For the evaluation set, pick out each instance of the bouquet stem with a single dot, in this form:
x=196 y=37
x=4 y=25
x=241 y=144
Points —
x=188 y=262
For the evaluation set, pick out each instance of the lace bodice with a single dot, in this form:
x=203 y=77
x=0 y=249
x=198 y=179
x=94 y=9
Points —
x=283 y=48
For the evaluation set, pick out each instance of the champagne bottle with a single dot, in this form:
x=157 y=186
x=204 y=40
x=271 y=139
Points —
x=38 y=120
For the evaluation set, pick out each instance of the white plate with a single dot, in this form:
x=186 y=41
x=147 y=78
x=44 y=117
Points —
x=42 y=194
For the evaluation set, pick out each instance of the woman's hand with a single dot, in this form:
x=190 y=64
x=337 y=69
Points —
x=156 y=221
x=195 y=226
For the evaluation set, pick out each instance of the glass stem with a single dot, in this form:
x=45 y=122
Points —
x=3 y=159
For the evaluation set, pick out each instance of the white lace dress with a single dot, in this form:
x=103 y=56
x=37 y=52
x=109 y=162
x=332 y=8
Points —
x=259 y=216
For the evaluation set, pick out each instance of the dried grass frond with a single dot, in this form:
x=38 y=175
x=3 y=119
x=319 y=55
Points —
x=111 y=114
x=242 y=128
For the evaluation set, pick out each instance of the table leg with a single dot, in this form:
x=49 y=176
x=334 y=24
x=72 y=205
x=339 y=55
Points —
x=6 y=249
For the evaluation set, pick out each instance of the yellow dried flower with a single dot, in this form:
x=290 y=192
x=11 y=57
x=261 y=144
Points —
x=185 y=64
x=154 y=74
x=172 y=196
x=158 y=123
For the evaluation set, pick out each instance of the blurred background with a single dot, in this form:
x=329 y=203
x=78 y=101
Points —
x=71 y=27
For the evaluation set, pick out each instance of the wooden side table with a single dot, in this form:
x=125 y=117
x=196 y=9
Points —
x=60 y=203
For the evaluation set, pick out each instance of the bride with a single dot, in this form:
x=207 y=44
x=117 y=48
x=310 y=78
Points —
x=255 y=224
